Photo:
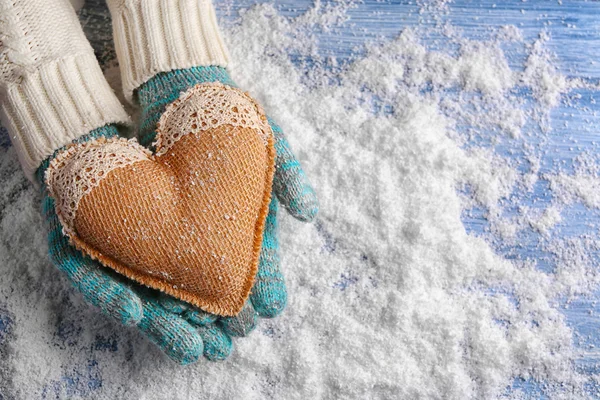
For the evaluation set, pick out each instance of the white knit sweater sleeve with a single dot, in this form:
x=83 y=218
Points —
x=153 y=36
x=52 y=89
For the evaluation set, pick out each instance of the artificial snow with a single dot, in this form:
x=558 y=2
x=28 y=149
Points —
x=390 y=295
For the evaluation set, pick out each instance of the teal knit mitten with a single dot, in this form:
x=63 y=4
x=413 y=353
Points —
x=184 y=335
x=290 y=187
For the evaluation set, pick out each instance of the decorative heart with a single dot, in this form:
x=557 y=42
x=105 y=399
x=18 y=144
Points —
x=188 y=220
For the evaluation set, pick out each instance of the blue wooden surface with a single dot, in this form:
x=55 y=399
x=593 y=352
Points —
x=574 y=28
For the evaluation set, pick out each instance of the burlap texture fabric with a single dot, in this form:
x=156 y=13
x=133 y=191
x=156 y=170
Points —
x=189 y=220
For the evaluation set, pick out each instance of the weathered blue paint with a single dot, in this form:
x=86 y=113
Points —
x=577 y=50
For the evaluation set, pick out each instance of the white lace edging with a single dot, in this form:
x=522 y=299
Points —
x=208 y=106
x=78 y=169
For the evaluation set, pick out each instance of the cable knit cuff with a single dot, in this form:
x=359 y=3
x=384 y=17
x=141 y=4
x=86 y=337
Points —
x=153 y=36
x=55 y=103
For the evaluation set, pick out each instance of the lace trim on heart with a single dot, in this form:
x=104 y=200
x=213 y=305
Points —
x=78 y=169
x=207 y=106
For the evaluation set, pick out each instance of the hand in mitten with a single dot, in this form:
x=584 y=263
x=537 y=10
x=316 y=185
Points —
x=190 y=219
x=184 y=337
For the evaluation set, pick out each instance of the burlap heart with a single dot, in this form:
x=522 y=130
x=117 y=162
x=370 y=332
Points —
x=187 y=220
